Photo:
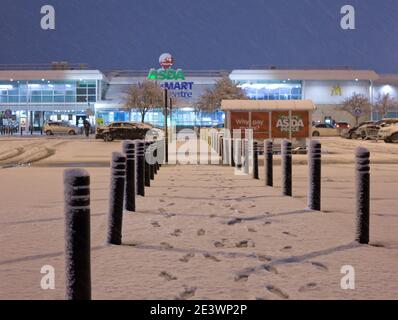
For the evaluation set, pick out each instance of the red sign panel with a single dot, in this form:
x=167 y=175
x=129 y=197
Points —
x=259 y=123
x=282 y=125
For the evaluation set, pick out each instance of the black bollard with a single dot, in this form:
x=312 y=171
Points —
x=118 y=174
x=77 y=234
x=153 y=161
x=160 y=153
x=232 y=153
x=246 y=150
x=255 y=161
x=269 y=163
x=140 y=166
x=314 y=168
x=238 y=153
x=363 y=194
x=155 y=154
x=286 y=168
x=147 y=171
x=225 y=150
x=130 y=183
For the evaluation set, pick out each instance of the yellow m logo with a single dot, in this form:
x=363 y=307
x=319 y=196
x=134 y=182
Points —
x=336 y=91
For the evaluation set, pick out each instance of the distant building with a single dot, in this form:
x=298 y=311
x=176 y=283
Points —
x=31 y=95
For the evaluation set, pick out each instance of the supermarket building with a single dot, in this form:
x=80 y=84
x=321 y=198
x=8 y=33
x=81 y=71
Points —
x=33 y=95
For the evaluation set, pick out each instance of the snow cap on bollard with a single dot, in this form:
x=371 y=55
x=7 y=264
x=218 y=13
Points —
x=286 y=147
x=73 y=180
x=118 y=164
x=362 y=159
x=127 y=145
x=73 y=175
x=315 y=146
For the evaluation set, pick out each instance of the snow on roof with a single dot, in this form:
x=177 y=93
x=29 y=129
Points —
x=247 y=75
x=267 y=105
x=51 y=75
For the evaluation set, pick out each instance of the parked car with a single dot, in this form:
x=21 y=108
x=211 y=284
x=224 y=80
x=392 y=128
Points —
x=128 y=131
x=52 y=128
x=370 y=129
x=324 y=130
x=343 y=125
x=389 y=133
x=357 y=131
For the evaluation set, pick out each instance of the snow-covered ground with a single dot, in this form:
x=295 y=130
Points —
x=201 y=232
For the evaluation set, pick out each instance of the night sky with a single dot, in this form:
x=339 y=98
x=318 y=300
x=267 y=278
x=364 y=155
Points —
x=202 y=34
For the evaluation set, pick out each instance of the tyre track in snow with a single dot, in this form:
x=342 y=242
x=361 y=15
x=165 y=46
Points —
x=27 y=154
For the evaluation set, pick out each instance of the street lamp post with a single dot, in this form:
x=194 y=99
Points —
x=171 y=118
x=166 y=126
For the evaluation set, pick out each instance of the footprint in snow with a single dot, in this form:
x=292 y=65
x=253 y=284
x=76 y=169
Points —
x=277 y=291
x=290 y=234
x=166 y=245
x=286 y=248
x=271 y=269
x=251 y=230
x=176 y=233
x=218 y=244
x=264 y=258
x=312 y=286
x=201 y=232
x=211 y=257
x=171 y=204
x=234 y=221
x=161 y=200
x=167 y=276
x=241 y=277
x=187 y=293
x=320 y=266
x=245 y=244
x=187 y=257
x=155 y=224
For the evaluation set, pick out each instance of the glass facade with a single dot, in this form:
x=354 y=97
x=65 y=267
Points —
x=42 y=91
x=272 y=90
x=180 y=117
x=33 y=102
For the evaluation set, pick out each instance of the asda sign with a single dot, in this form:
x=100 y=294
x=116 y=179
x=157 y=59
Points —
x=169 y=74
x=171 y=79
